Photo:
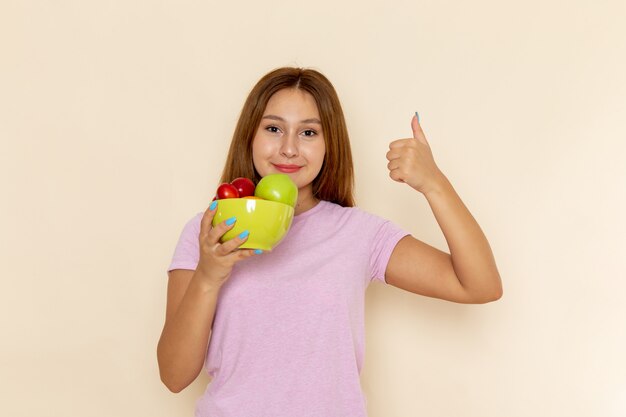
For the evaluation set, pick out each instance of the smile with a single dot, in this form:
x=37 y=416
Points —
x=287 y=169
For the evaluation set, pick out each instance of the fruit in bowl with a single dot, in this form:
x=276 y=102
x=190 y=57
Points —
x=245 y=187
x=267 y=221
x=277 y=187
x=266 y=215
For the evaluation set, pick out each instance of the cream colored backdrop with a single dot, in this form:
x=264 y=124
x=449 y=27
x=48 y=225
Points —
x=115 y=117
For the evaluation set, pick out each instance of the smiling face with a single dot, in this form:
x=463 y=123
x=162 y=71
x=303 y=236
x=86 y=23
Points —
x=290 y=140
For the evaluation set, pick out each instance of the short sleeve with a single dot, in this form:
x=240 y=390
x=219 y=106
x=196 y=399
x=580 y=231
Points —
x=385 y=239
x=187 y=251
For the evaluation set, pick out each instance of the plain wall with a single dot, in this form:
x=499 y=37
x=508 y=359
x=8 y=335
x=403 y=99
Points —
x=115 y=118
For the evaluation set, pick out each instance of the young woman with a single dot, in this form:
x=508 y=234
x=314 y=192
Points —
x=282 y=333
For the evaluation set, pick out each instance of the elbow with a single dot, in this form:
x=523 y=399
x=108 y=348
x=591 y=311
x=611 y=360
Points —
x=483 y=299
x=487 y=295
x=494 y=295
x=172 y=385
x=176 y=383
x=495 y=292
x=170 y=378
x=174 y=388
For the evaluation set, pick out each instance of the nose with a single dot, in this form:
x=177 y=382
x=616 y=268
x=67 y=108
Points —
x=289 y=145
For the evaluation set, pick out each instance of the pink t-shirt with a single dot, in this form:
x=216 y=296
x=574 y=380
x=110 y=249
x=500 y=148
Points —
x=288 y=336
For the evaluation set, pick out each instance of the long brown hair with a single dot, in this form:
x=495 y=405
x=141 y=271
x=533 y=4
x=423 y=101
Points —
x=335 y=182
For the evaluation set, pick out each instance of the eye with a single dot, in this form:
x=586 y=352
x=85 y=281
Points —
x=272 y=129
x=310 y=133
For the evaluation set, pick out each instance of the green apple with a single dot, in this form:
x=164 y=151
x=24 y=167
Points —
x=279 y=188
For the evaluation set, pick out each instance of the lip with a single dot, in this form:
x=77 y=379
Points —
x=287 y=169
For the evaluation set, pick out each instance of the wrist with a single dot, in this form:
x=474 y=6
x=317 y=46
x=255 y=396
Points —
x=437 y=186
x=203 y=282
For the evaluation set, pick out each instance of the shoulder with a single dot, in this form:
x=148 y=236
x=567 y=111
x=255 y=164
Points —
x=196 y=220
x=355 y=212
x=352 y=215
x=192 y=227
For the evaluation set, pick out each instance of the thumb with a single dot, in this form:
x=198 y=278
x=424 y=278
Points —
x=418 y=133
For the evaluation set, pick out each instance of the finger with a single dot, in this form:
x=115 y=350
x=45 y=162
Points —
x=393 y=154
x=396 y=175
x=232 y=244
x=207 y=219
x=393 y=165
x=399 y=143
x=240 y=254
x=418 y=133
x=218 y=231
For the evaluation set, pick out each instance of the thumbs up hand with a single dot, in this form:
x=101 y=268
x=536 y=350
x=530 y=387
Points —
x=411 y=161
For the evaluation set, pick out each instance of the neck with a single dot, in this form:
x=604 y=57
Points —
x=306 y=201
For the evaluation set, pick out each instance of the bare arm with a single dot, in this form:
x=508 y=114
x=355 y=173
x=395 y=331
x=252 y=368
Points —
x=469 y=273
x=191 y=301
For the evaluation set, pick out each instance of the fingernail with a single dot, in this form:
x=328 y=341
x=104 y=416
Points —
x=213 y=205
x=418 y=117
x=244 y=234
x=231 y=221
x=258 y=251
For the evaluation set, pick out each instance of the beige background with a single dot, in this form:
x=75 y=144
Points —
x=114 y=121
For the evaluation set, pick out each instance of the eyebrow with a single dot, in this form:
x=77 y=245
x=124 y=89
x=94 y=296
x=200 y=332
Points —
x=273 y=117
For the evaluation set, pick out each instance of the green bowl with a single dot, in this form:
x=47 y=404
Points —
x=267 y=221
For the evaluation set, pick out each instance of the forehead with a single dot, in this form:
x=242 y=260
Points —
x=292 y=100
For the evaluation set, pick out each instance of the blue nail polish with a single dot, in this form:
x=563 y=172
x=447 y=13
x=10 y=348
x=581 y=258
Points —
x=258 y=251
x=213 y=205
x=418 y=117
x=231 y=221
x=244 y=234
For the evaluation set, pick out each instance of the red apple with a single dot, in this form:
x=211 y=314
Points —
x=245 y=186
x=227 y=190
